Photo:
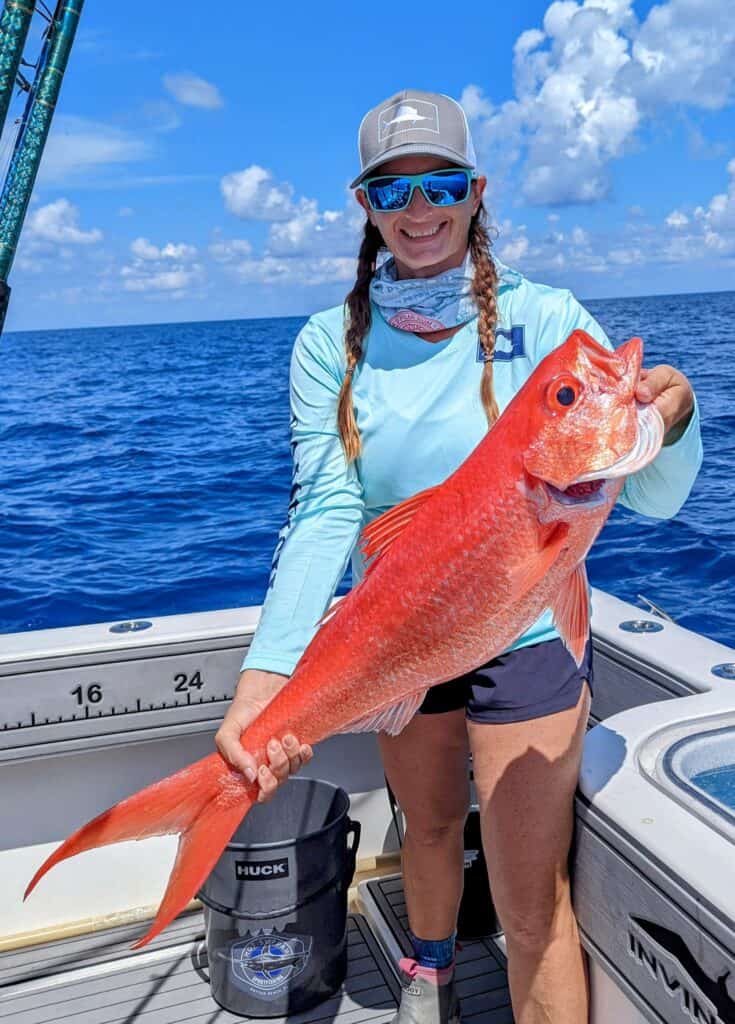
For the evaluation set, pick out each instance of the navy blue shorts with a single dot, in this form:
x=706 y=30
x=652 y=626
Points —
x=526 y=683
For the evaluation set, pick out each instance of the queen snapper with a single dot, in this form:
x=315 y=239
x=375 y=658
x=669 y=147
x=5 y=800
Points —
x=456 y=573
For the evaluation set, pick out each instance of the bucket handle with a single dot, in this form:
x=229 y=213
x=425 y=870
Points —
x=353 y=829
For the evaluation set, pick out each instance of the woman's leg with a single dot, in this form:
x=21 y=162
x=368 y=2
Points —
x=427 y=768
x=526 y=774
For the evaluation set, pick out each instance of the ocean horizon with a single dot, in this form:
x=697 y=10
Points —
x=139 y=481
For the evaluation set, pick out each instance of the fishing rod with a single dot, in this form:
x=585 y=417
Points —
x=34 y=129
x=14 y=25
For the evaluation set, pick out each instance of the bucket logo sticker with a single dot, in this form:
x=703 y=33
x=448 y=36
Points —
x=265 y=964
x=261 y=869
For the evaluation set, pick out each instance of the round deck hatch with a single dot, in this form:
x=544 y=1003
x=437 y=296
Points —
x=130 y=627
x=641 y=626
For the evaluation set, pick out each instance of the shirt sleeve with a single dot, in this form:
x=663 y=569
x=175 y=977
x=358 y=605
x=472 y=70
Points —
x=324 y=514
x=659 y=489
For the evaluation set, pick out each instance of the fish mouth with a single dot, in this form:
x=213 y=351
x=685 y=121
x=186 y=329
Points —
x=647 y=445
x=587 y=493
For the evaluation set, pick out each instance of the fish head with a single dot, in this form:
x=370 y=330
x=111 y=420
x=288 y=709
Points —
x=585 y=424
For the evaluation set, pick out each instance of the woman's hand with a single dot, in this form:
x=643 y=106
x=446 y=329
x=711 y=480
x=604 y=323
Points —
x=255 y=690
x=673 y=396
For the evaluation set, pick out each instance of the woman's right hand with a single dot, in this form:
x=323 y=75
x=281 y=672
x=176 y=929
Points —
x=255 y=690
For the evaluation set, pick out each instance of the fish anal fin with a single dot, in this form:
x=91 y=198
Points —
x=526 y=575
x=378 y=535
x=572 y=613
x=391 y=719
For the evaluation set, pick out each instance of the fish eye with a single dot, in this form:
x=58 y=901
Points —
x=563 y=392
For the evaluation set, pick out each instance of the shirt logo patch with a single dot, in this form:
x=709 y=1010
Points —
x=406 y=116
x=508 y=345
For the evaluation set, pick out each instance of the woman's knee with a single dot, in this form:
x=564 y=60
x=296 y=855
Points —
x=438 y=829
x=531 y=925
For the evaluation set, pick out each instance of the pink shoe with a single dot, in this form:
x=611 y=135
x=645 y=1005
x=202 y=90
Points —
x=429 y=997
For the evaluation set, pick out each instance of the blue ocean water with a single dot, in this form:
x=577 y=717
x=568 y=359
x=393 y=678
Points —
x=146 y=470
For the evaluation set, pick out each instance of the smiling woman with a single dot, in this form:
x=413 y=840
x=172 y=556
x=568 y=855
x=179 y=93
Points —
x=389 y=395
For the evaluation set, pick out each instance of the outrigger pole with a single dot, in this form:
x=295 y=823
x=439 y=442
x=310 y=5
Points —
x=13 y=31
x=33 y=133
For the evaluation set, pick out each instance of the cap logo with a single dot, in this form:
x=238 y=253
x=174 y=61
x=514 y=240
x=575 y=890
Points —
x=408 y=115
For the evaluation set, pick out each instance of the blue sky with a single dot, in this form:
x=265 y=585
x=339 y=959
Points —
x=199 y=160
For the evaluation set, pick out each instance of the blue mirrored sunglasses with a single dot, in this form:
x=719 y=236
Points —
x=388 y=193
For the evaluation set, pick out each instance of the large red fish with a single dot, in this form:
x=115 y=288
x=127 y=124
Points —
x=457 y=573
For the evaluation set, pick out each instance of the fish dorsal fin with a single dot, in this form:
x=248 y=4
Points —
x=378 y=535
x=526 y=575
x=391 y=718
x=572 y=613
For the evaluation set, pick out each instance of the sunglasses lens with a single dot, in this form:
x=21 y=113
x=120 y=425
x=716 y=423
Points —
x=446 y=187
x=389 y=193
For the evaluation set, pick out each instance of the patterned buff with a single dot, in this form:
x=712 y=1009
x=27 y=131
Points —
x=424 y=304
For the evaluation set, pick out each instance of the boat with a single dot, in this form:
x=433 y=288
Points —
x=91 y=713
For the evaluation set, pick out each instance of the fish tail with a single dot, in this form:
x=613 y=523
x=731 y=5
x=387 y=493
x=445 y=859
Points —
x=204 y=803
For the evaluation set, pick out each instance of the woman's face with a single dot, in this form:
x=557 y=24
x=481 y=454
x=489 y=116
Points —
x=424 y=239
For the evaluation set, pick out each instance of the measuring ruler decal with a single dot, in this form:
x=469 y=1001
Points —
x=74 y=707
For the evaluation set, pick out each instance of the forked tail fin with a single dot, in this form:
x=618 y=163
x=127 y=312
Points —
x=204 y=803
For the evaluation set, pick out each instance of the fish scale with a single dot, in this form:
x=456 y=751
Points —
x=455 y=575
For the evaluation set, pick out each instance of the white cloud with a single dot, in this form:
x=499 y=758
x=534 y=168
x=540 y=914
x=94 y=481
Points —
x=677 y=219
x=230 y=250
x=144 y=250
x=170 y=269
x=163 y=280
x=304 y=245
x=684 y=52
x=275 y=270
x=58 y=222
x=193 y=91
x=76 y=145
x=512 y=252
x=126 y=211
x=252 y=194
x=586 y=82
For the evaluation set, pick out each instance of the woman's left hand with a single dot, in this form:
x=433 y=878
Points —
x=673 y=396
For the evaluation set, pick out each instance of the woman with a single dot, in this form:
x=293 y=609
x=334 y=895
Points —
x=387 y=400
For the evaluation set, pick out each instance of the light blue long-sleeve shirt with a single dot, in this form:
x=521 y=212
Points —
x=419 y=413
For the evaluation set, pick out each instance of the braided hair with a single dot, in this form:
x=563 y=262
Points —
x=358 y=319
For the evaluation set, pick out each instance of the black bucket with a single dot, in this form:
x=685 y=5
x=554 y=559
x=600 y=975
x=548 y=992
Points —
x=275 y=904
x=477 y=917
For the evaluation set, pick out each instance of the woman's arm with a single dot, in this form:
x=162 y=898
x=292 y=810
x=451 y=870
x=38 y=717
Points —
x=324 y=515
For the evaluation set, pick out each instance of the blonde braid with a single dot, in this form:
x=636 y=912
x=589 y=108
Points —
x=484 y=288
x=358 y=320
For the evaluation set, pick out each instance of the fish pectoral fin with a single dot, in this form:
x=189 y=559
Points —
x=572 y=613
x=526 y=575
x=378 y=535
x=391 y=719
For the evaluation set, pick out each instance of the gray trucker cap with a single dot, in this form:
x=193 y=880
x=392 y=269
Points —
x=411 y=121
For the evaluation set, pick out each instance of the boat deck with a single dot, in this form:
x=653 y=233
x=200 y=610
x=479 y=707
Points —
x=98 y=979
